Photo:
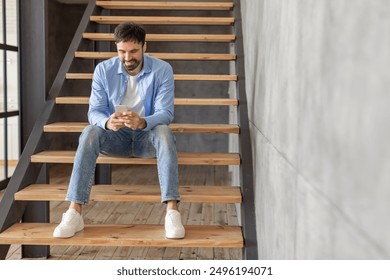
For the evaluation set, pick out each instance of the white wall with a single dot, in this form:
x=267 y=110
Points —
x=318 y=82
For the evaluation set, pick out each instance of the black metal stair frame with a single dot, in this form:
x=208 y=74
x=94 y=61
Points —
x=27 y=173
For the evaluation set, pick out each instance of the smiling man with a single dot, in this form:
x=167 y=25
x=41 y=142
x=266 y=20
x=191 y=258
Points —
x=144 y=85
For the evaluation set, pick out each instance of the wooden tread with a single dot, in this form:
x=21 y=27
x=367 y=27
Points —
x=82 y=100
x=207 y=101
x=155 y=5
x=77 y=100
x=133 y=193
x=221 y=38
x=177 y=77
x=124 y=235
x=164 y=56
x=175 y=127
x=164 y=20
x=184 y=158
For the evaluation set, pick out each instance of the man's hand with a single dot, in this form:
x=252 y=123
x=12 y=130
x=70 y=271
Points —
x=115 y=122
x=130 y=119
x=133 y=120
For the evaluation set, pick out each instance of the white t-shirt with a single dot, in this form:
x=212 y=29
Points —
x=132 y=99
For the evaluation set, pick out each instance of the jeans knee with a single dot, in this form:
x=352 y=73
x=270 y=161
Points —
x=90 y=135
x=164 y=134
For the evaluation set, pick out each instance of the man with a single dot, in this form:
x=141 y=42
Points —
x=145 y=86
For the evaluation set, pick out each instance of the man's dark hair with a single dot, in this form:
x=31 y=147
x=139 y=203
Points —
x=129 y=31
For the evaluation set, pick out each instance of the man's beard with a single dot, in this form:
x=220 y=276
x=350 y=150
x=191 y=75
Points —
x=133 y=66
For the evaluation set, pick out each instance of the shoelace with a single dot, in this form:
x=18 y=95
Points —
x=173 y=218
x=66 y=217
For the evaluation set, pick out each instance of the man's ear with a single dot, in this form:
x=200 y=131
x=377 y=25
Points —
x=144 y=47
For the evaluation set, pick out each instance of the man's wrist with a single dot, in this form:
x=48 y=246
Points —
x=144 y=123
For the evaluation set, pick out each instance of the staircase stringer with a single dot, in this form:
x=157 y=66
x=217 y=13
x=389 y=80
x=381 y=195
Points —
x=248 y=213
x=27 y=173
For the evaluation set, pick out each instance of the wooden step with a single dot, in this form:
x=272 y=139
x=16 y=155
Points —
x=133 y=193
x=82 y=100
x=207 y=101
x=69 y=100
x=65 y=127
x=177 y=77
x=205 y=128
x=215 y=38
x=161 y=20
x=165 y=5
x=164 y=56
x=175 y=127
x=124 y=235
x=184 y=158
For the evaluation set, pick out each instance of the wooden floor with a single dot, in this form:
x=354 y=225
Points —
x=145 y=213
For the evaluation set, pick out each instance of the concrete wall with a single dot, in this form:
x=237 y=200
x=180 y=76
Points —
x=318 y=83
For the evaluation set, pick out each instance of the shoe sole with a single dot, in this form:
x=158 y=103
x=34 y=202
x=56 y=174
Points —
x=64 y=237
x=175 y=236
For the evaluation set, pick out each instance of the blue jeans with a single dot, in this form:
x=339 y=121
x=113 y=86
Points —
x=158 y=142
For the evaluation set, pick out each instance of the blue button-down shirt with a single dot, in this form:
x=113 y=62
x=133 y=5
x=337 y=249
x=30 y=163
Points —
x=156 y=87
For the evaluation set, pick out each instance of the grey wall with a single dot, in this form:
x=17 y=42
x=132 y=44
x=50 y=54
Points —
x=318 y=83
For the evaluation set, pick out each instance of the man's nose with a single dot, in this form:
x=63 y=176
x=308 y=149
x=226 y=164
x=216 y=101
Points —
x=128 y=56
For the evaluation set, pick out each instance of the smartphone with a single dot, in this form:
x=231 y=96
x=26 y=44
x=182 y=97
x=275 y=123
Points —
x=120 y=108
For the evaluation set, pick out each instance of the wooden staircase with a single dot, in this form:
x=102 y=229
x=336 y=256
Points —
x=40 y=233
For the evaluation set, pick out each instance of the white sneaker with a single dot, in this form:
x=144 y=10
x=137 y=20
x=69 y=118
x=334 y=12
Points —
x=71 y=223
x=173 y=226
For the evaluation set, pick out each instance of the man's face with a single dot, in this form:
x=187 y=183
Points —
x=131 y=54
